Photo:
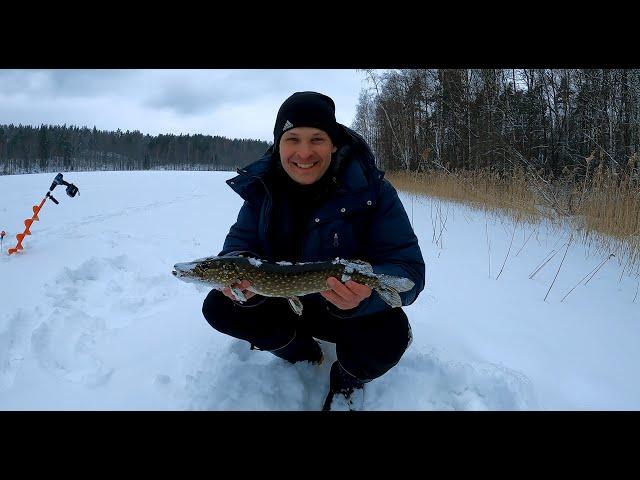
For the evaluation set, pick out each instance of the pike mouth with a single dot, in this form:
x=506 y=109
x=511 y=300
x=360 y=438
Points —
x=180 y=269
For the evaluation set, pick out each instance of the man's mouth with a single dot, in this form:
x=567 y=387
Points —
x=305 y=166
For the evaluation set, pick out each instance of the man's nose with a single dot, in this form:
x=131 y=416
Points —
x=304 y=150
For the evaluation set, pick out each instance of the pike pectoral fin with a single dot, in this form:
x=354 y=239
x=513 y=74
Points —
x=296 y=304
x=238 y=295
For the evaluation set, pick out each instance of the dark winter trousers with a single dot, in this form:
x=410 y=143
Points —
x=367 y=346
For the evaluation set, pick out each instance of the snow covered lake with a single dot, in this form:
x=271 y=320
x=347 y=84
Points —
x=92 y=319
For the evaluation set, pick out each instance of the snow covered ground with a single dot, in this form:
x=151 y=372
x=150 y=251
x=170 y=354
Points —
x=92 y=319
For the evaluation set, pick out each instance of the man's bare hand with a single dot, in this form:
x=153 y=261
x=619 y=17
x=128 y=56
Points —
x=346 y=295
x=242 y=286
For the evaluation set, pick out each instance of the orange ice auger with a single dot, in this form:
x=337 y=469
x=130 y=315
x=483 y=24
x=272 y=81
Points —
x=71 y=191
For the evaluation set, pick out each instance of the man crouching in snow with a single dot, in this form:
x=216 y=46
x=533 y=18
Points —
x=316 y=195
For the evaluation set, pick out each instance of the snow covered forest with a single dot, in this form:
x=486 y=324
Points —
x=538 y=119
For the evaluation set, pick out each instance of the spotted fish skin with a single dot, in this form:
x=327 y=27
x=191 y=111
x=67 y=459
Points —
x=288 y=280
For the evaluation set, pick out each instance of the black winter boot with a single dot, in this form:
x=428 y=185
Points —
x=346 y=392
x=299 y=349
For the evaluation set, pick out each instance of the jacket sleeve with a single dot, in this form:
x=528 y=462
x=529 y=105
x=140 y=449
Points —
x=243 y=235
x=243 y=238
x=392 y=249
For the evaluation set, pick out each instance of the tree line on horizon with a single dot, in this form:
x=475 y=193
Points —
x=49 y=148
x=549 y=121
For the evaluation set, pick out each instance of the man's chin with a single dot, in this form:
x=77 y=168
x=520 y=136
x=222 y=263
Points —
x=305 y=180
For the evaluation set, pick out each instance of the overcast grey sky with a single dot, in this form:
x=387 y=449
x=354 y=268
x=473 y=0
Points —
x=231 y=103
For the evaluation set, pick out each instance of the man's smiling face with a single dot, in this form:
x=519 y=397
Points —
x=305 y=154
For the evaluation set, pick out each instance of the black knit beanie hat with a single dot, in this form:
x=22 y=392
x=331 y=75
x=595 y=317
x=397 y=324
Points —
x=307 y=109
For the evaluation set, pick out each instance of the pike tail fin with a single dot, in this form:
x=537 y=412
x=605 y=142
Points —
x=390 y=286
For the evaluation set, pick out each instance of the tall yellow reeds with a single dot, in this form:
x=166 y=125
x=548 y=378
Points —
x=601 y=204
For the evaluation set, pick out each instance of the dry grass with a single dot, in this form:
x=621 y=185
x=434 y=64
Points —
x=602 y=206
x=483 y=190
x=608 y=213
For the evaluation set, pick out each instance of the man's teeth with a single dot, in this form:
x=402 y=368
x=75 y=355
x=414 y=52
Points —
x=305 y=165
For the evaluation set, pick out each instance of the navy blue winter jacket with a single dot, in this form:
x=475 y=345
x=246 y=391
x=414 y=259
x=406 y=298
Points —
x=363 y=219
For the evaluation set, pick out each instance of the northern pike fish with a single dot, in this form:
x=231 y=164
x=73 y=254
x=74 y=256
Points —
x=288 y=280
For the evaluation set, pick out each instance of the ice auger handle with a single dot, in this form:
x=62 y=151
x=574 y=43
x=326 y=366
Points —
x=71 y=188
x=52 y=198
